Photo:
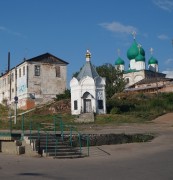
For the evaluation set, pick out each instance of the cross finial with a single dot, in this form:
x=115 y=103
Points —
x=151 y=50
x=134 y=34
x=88 y=55
x=139 y=47
x=118 y=51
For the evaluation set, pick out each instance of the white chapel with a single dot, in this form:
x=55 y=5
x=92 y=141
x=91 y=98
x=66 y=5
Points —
x=88 y=90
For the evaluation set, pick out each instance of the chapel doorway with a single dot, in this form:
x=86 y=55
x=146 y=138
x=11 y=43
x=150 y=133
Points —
x=87 y=106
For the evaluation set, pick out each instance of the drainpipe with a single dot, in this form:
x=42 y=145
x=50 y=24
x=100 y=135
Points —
x=9 y=74
x=16 y=99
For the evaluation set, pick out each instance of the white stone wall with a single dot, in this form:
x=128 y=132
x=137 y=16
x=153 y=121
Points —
x=95 y=90
x=153 y=67
x=120 y=67
x=47 y=85
x=132 y=64
x=134 y=77
x=140 y=65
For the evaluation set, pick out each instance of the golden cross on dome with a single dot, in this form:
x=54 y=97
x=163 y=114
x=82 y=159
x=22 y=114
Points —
x=134 y=34
x=139 y=47
x=118 y=51
x=151 y=50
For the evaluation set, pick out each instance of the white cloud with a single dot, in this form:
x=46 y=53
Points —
x=117 y=27
x=166 y=5
x=169 y=61
x=163 y=37
x=2 y=28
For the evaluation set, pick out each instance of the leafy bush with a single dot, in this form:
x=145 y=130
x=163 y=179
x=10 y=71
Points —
x=65 y=95
x=115 y=110
x=143 y=106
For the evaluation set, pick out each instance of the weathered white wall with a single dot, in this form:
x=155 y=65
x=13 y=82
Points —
x=38 y=89
x=47 y=85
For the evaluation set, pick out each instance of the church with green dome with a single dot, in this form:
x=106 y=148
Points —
x=138 y=68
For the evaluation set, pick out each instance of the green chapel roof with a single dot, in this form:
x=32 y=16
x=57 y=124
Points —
x=133 y=51
x=152 y=60
x=119 y=61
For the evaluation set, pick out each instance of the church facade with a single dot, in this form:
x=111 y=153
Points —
x=138 y=68
x=88 y=90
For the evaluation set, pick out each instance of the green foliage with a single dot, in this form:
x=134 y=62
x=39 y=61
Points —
x=114 y=80
x=115 y=110
x=141 y=106
x=121 y=104
x=65 y=95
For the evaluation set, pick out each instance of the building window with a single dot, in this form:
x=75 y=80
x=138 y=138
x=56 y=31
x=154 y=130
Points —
x=19 y=72
x=23 y=70
x=12 y=77
x=37 y=70
x=100 y=104
x=58 y=72
x=4 y=81
x=75 y=105
x=127 y=80
x=8 y=79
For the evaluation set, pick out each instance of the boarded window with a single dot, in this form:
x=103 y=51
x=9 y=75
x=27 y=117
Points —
x=23 y=70
x=127 y=80
x=8 y=79
x=75 y=105
x=19 y=72
x=58 y=72
x=4 y=81
x=37 y=70
x=12 y=77
x=100 y=104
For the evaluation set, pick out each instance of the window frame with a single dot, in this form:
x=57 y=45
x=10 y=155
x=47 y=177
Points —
x=37 y=70
x=75 y=105
x=24 y=71
x=100 y=104
x=19 y=72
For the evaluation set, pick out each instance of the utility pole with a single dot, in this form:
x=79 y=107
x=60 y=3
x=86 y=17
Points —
x=15 y=98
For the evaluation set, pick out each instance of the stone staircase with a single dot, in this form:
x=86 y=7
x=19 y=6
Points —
x=51 y=145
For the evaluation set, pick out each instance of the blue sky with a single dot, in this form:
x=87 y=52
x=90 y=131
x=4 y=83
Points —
x=67 y=28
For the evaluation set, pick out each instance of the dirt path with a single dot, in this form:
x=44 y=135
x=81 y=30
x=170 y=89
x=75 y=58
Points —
x=165 y=119
x=158 y=125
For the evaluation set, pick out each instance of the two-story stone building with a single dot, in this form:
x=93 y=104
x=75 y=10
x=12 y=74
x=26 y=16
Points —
x=34 y=81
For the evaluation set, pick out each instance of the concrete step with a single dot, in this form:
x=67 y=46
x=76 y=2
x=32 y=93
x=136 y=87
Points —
x=52 y=147
x=85 y=118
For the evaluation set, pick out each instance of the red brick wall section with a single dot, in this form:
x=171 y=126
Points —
x=29 y=104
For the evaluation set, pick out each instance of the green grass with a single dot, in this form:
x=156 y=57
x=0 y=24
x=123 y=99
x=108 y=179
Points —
x=129 y=109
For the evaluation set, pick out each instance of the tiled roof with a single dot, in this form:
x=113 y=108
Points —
x=87 y=70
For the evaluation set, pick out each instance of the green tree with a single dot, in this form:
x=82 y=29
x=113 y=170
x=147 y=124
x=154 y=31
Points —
x=65 y=95
x=115 y=82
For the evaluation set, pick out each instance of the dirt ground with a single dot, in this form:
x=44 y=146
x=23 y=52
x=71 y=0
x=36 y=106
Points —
x=162 y=123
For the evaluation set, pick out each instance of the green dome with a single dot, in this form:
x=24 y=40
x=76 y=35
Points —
x=133 y=51
x=152 y=60
x=140 y=57
x=119 y=61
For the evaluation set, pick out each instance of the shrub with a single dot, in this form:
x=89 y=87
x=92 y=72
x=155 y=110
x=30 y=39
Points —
x=115 y=110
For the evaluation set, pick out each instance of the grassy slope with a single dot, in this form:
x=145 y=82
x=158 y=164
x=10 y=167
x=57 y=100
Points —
x=137 y=108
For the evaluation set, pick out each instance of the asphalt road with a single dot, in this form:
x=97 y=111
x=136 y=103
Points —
x=135 y=161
